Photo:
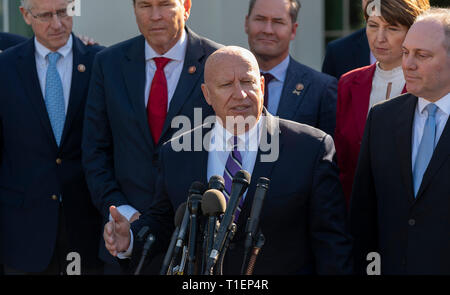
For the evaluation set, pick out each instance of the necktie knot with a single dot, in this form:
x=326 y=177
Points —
x=432 y=109
x=53 y=58
x=267 y=77
x=161 y=62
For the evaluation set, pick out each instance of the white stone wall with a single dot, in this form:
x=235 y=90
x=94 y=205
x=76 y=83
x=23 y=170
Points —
x=112 y=21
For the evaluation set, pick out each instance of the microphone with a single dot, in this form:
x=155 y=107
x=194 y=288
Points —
x=148 y=244
x=197 y=188
x=194 y=203
x=178 y=219
x=251 y=229
x=216 y=182
x=241 y=180
x=213 y=205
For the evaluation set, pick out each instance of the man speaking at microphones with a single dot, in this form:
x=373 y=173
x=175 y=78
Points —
x=303 y=218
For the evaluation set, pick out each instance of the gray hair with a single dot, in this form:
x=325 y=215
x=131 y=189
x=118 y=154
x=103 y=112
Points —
x=440 y=16
x=27 y=4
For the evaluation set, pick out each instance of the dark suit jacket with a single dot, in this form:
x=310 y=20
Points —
x=315 y=104
x=303 y=218
x=119 y=156
x=410 y=234
x=354 y=90
x=346 y=54
x=8 y=40
x=29 y=173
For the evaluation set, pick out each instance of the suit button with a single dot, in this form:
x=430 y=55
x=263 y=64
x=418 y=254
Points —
x=54 y=197
x=58 y=161
x=412 y=222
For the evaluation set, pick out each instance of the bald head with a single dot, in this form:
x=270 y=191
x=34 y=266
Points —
x=233 y=84
x=224 y=55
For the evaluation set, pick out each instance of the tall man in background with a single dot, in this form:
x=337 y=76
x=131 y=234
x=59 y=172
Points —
x=137 y=88
x=293 y=90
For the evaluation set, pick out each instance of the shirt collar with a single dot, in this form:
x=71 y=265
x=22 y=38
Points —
x=177 y=52
x=248 y=141
x=443 y=104
x=43 y=51
x=279 y=71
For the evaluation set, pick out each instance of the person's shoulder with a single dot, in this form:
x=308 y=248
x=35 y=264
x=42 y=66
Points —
x=8 y=40
x=310 y=72
x=347 y=41
x=298 y=133
x=12 y=52
x=355 y=74
x=393 y=105
x=121 y=48
x=209 y=45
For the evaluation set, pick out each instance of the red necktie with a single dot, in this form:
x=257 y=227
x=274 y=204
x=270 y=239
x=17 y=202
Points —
x=267 y=78
x=157 y=99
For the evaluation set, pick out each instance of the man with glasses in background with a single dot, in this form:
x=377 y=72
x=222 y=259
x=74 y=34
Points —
x=48 y=224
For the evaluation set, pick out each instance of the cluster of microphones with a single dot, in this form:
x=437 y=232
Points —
x=205 y=226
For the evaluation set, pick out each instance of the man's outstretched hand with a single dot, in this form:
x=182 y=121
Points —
x=117 y=233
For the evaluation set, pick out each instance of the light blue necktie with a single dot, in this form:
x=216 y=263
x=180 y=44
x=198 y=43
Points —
x=426 y=147
x=54 y=97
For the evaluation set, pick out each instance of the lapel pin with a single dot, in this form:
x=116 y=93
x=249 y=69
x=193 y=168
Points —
x=298 y=88
x=192 y=70
x=81 y=68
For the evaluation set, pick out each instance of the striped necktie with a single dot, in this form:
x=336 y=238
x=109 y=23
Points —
x=233 y=165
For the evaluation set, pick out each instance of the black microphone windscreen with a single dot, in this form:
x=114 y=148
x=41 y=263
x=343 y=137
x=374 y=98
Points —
x=213 y=203
x=242 y=176
x=197 y=187
x=179 y=214
x=216 y=182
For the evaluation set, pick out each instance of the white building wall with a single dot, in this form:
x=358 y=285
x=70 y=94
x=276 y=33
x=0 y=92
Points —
x=112 y=21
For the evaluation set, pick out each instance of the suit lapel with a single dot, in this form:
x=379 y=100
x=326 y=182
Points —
x=26 y=65
x=360 y=95
x=291 y=97
x=80 y=80
x=188 y=78
x=404 y=127
x=261 y=169
x=133 y=68
x=440 y=155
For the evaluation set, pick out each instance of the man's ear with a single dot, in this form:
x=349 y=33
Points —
x=26 y=15
x=206 y=93
x=187 y=9
x=246 y=24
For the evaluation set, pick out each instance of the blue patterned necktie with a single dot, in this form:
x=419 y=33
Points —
x=426 y=147
x=54 y=97
x=233 y=165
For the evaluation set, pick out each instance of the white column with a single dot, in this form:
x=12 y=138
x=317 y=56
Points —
x=5 y=4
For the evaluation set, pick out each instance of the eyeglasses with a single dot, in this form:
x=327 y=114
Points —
x=48 y=16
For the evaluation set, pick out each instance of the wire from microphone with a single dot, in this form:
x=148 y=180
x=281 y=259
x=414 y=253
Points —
x=167 y=262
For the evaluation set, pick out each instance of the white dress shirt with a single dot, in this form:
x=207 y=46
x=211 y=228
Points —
x=420 y=117
x=172 y=70
x=219 y=150
x=64 y=67
x=380 y=84
x=221 y=146
x=276 y=85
